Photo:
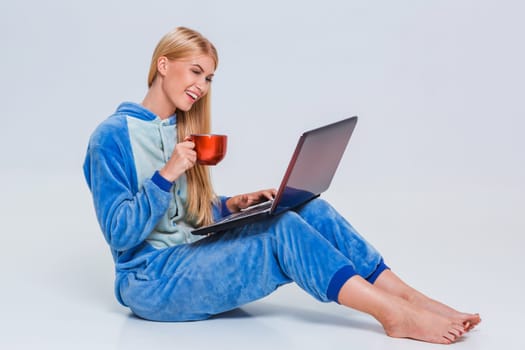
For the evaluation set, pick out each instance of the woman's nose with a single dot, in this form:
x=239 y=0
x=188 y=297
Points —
x=202 y=90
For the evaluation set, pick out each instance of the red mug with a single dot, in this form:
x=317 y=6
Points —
x=210 y=148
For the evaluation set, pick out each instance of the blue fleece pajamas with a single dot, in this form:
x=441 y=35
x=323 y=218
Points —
x=164 y=273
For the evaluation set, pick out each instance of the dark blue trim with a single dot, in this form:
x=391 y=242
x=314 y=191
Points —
x=160 y=181
x=336 y=283
x=379 y=269
x=224 y=209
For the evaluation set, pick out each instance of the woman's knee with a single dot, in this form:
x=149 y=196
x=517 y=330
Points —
x=289 y=221
x=316 y=207
x=319 y=213
x=272 y=229
x=289 y=227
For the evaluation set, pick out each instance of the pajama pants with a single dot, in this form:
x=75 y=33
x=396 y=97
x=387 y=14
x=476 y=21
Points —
x=313 y=246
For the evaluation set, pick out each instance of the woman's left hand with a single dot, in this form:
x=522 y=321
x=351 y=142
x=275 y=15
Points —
x=242 y=201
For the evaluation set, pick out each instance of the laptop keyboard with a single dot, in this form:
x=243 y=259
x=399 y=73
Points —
x=259 y=206
x=249 y=211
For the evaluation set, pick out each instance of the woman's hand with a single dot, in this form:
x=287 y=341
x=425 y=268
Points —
x=242 y=201
x=182 y=159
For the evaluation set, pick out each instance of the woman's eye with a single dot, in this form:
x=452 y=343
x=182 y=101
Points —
x=196 y=72
x=209 y=80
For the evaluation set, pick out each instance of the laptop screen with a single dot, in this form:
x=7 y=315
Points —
x=313 y=164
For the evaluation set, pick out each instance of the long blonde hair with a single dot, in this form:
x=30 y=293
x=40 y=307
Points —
x=178 y=44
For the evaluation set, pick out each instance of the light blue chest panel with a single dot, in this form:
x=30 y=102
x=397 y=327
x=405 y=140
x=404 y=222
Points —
x=152 y=143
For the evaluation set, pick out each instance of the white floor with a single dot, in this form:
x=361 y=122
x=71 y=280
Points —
x=57 y=274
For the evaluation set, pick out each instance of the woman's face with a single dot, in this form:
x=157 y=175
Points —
x=188 y=80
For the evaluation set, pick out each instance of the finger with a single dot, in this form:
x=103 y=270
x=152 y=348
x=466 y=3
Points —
x=262 y=194
x=185 y=156
x=269 y=195
x=243 y=200
x=188 y=144
x=258 y=197
x=192 y=157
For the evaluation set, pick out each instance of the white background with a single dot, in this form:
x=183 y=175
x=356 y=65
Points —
x=433 y=177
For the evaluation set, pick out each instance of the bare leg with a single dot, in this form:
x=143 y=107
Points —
x=392 y=284
x=399 y=318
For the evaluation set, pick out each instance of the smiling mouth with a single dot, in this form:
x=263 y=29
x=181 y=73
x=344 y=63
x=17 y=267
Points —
x=192 y=95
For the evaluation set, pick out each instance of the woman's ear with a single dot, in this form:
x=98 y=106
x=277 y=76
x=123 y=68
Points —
x=162 y=65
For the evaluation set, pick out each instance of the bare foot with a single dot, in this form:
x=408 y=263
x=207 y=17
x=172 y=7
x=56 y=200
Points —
x=399 y=317
x=410 y=321
x=469 y=320
x=393 y=285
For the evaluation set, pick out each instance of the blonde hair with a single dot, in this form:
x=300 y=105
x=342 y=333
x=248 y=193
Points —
x=181 y=43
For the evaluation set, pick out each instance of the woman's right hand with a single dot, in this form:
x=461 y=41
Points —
x=182 y=159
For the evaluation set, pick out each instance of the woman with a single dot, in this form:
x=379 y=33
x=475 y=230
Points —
x=149 y=193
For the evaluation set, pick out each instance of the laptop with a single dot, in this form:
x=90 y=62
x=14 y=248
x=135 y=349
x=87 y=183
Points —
x=309 y=173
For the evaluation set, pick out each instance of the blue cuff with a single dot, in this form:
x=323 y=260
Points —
x=160 y=181
x=336 y=283
x=379 y=269
x=224 y=209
